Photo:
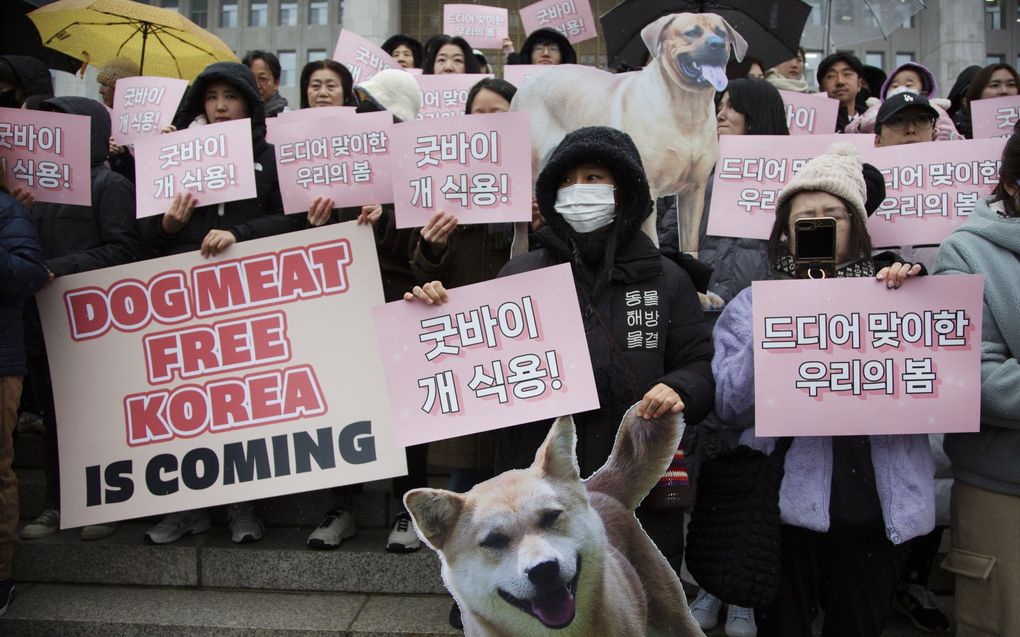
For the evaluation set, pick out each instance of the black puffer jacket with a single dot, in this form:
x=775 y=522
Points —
x=246 y=219
x=22 y=273
x=32 y=73
x=567 y=53
x=646 y=302
x=82 y=238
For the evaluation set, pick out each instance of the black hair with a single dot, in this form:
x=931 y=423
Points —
x=760 y=104
x=271 y=61
x=417 y=50
x=860 y=240
x=737 y=70
x=984 y=76
x=849 y=59
x=438 y=42
x=504 y=89
x=7 y=74
x=346 y=81
x=1009 y=173
x=959 y=90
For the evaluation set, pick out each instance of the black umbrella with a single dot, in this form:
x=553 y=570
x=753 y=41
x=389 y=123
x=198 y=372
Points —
x=772 y=28
x=18 y=36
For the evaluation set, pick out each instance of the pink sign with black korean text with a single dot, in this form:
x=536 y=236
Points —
x=477 y=168
x=572 y=18
x=351 y=163
x=516 y=74
x=483 y=27
x=213 y=162
x=808 y=114
x=499 y=353
x=446 y=95
x=995 y=116
x=362 y=57
x=47 y=154
x=838 y=357
x=307 y=115
x=144 y=105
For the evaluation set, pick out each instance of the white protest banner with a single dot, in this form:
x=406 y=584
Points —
x=446 y=95
x=483 y=27
x=807 y=114
x=995 y=116
x=186 y=382
x=214 y=162
x=838 y=357
x=361 y=57
x=572 y=18
x=499 y=353
x=477 y=168
x=144 y=105
x=351 y=164
x=48 y=154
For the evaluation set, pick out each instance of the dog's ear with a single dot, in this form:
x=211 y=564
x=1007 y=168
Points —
x=651 y=35
x=556 y=457
x=737 y=40
x=435 y=513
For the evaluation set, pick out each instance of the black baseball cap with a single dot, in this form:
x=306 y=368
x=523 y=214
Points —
x=900 y=101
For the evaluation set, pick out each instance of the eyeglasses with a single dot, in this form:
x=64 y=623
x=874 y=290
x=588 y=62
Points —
x=921 y=121
x=547 y=48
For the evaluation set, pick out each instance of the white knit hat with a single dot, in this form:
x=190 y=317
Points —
x=396 y=91
x=837 y=172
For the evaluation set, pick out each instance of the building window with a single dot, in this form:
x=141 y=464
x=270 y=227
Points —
x=994 y=58
x=173 y=5
x=288 y=67
x=258 y=13
x=318 y=12
x=902 y=57
x=314 y=55
x=228 y=15
x=908 y=23
x=288 y=14
x=875 y=58
x=993 y=14
x=200 y=12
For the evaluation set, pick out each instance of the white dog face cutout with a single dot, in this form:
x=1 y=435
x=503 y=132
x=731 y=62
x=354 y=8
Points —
x=697 y=44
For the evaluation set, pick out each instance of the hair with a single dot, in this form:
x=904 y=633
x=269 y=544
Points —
x=738 y=70
x=1009 y=173
x=329 y=65
x=984 y=76
x=504 y=89
x=760 y=104
x=438 y=42
x=271 y=61
x=849 y=59
x=860 y=240
x=417 y=51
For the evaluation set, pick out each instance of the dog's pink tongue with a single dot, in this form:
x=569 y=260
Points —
x=555 y=608
x=716 y=76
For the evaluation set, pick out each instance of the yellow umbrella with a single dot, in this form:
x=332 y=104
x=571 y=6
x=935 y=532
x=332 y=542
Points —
x=164 y=42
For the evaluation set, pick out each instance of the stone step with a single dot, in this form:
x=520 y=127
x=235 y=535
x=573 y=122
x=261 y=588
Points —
x=65 y=610
x=279 y=562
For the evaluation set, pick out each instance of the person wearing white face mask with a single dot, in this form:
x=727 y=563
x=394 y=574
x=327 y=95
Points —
x=646 y=333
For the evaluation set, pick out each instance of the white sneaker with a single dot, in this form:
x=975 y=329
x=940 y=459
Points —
x=45 y=525
x=337 y=526
x=402 y=538
x=740 y=622
x=176 y=525
x=705 y=610
x=245 y=527
x=98 y=531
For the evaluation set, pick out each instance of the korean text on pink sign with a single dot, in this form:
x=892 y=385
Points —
x=144 y=105
x=995 y=117
x=361 y=57
x=47 y=154
x=572 y=18
x=483 y=27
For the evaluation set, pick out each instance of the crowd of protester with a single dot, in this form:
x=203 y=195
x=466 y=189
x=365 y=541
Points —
x=847 y=545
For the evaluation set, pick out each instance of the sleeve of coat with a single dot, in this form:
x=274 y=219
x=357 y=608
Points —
x=118 y=231
x=22 y=268
x=733 y=363
x=274 y=221
x=688 y=360
x=424 y=264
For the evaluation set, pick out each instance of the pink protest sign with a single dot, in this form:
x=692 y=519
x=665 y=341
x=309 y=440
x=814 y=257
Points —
x=516 y=74
x=806 y=114
x=842 y=357
x=350 y=164
x=47 y=154
x=483 y=27
x=572 y=18
x=363 y=58
x=144 y=105
x=477 y=168
x=307 y=114
x=446 y=95
x=995 y=117
x=213 y=162
x=500 y=353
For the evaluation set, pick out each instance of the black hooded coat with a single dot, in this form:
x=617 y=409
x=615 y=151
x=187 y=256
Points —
x=33 y=74
x=567 y=53
x=247 y=219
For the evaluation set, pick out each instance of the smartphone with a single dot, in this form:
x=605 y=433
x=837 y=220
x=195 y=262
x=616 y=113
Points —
x=815 y=241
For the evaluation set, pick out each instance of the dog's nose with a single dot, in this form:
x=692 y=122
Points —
x=715 y=42
x=544 y=573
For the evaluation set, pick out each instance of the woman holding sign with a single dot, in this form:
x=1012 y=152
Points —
x=326 y=83
x=848 y=504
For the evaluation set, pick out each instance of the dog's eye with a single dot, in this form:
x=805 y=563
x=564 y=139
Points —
x=549 y=518
x=693 y=33
x=495 y=541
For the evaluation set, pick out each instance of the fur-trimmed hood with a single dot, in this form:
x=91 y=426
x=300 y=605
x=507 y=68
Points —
x=240 y=77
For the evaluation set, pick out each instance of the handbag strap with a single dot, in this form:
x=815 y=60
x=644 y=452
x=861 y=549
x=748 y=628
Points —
x=627 y=368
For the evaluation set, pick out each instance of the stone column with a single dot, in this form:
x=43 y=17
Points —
x=955 y=36
x=373 y=19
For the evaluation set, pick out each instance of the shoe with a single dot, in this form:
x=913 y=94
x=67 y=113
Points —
x=176 y=525
x=245 y=527
x=705 y=610
x=6 y=595
x=402 y=538
x=921 y=606
x=98 y=531
x=740 y=622
x=45 y=525
x=337 y=526
x=455 y=619
x=29 y=423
